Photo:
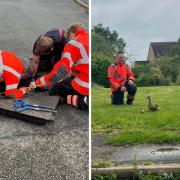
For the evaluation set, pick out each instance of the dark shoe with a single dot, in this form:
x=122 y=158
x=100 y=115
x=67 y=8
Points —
x=83 y=102
x=129 y=102
x=130 y=99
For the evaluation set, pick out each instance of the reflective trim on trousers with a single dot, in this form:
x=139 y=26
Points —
x=81 y=83
x=12 y=86
x=69 y=57
x=82 y=49
x=11 y=70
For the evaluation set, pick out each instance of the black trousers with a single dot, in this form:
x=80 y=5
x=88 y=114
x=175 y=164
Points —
x=118 y=96
x=2 y=87
x=64 y=88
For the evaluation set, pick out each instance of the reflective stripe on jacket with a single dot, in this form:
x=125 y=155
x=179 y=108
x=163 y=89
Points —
x=119 y=74
x=75 y=61
x=11 y=69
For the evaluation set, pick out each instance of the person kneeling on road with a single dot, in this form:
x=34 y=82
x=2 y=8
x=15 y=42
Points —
x=11 y=69
x=121 y=79
x=70 y=75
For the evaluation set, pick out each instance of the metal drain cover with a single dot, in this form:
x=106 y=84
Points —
x=39 y=117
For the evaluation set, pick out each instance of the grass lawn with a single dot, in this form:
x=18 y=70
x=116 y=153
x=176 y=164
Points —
x=127 y=125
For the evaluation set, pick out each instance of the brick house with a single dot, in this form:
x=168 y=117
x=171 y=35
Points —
x=159 y=49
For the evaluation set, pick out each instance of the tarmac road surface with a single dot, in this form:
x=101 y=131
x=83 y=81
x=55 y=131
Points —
x=53 y=151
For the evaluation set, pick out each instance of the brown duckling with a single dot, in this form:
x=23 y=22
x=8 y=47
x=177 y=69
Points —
x=152 y=107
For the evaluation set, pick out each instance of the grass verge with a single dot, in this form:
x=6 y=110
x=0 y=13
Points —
x=128 y=125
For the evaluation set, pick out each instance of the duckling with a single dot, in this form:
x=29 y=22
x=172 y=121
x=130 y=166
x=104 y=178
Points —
x=152 y=107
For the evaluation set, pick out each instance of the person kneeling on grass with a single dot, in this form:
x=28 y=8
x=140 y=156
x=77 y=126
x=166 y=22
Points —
x=121 y=80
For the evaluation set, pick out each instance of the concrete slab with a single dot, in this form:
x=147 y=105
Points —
x=39 y=117
x=127 y=171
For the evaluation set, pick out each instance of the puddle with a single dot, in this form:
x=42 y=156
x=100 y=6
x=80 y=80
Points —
x=153 y=153
x=165 y=150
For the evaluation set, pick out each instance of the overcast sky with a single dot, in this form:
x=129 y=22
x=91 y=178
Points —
x=139 y=22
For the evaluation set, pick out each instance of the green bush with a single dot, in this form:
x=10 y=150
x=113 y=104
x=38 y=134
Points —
x=153 y=77
x=164 y=72
x=109 y=176
x=100 y=65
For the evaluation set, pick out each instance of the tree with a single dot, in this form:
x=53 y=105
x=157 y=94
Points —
x=170 y=67
x=112 y=38
x=176 y=50
x=104 y=45
x=100 y=45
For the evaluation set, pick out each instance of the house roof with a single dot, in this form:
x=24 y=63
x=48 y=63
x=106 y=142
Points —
x=140 y=62
x=162 y=48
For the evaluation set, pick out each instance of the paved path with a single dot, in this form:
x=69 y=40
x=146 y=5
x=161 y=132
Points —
x=129 y=154
x=54 y=151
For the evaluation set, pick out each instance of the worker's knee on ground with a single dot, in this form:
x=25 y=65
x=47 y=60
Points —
x=57 y=89
x=132 y=89
x=53 y=90
x=117 y=97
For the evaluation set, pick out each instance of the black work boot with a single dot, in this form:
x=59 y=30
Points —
x=130 y=100
x=83 y=102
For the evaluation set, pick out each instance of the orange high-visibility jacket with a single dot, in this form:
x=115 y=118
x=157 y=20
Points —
x=11 y=69
x=75 y=61
x=119 y=74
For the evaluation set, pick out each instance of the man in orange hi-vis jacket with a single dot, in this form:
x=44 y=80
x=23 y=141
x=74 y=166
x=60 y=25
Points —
x=70 y=74
x=11 y=69
x=121 y=79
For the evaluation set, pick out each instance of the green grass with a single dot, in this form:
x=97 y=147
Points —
x=100 y=164
x=139 y=175
x=109 y=176
x=127 y=125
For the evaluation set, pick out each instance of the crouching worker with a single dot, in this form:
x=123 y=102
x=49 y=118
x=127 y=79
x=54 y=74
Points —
x=121 y=80
x=70 y=76
x=47 y=51
x=11 y=69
